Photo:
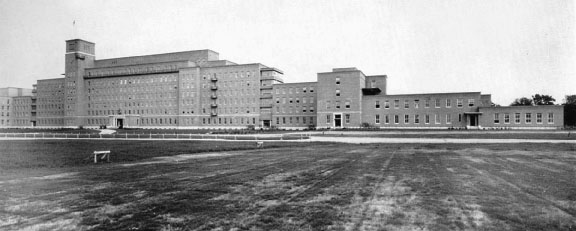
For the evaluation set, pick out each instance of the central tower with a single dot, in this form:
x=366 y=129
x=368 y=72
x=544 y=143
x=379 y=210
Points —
x=79 y=56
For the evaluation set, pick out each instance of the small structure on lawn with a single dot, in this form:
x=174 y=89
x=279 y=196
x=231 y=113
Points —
x=103 y=155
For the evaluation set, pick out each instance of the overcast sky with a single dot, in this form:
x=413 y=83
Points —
x=508 y=48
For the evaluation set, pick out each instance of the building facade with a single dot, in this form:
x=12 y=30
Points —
x=15 y=107
x=195 y=89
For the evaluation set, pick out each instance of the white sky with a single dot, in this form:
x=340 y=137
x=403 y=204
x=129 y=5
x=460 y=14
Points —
x=509 y=49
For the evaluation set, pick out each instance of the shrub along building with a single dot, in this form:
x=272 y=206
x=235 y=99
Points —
x=195 y=89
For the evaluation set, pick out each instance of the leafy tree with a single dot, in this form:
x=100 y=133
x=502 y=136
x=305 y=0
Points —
x=570 y=100
x=543 y=99
x=522 y=102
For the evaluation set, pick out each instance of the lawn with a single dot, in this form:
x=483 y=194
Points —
x=288 y=186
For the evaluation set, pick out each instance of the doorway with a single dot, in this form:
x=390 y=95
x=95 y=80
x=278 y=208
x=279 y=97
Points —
x=337 y=120
x=473 y=120
x=120 y=123
x=266 y=123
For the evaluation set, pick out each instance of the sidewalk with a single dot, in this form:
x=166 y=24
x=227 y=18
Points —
x=368 y=140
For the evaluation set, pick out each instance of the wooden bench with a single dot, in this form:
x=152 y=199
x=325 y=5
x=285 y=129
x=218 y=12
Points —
x=104 y=154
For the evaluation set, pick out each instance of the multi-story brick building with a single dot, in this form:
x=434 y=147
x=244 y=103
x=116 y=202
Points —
x=195 y=89
x=15 y=107
x=367 y=104
x=294 y=105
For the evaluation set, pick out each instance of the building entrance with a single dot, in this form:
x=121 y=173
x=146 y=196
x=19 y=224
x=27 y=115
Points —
x=120 y=123
x=473 y=120
x=337 y=120
x=266 y=123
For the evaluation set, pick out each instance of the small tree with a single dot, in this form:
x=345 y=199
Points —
x=522 y=102
x=543 y=99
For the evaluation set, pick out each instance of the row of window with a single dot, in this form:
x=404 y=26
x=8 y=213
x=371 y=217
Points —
x=295 y=109
x=416 y=103
x=295 y=100
x=294 y=90
x=337 y=104
x=416 y=119
x=295 y=120
x=527 y=118
x=407 y=119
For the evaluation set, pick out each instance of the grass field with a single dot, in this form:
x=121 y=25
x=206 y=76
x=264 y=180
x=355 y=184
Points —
x=287 y=186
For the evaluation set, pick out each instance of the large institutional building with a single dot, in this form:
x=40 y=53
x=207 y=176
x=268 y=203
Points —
x=195 y=89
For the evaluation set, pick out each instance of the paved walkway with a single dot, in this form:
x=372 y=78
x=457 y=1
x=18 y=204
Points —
x=367 y=140
x=351 y=140
x=107 y=131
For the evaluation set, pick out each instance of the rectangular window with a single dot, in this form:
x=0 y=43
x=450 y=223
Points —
x=437 y=118
x=416 y=103
x=506 y=118
x=311 y=109
x=337 y=92
x=303 y=120
x=396 y=103
x=304 y=89
x=347 y=118
x=406 y=104
x=437 y=105
x=328 y=104
x=448 y=118
x=347 y=104
x=470 y=102
x=496 y=118
x=427 y=119
x=459 y=102
x=386 y=104
x=517 y=118
x=327 y=119
x=406 y=119
x=337 y=103
x=528 y=118
x=550 y=118
x=304 y=109
x=427 y=103
x=396 y=119
x=416 y=119
x=311 y=89
x=448 y=103
x=377 y=104
x=539 y=118
x=377 y=119
x=387 y=119
x=283 y=120
x=337 y=80
x=459 y=117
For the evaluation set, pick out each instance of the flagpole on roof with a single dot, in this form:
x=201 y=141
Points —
x=74 y=30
